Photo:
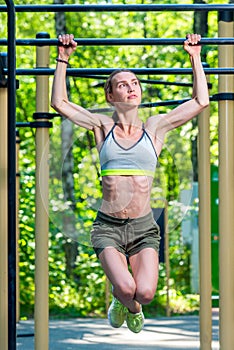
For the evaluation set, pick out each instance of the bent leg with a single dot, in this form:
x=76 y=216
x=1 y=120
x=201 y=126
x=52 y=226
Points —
x=145 y=273
x=115 y=267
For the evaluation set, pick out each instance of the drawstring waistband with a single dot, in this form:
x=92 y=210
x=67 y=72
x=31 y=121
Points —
x=119 y=221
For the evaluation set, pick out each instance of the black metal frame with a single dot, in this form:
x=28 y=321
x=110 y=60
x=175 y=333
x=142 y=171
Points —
x=82 y=72
x=11 y=85
x=11 y=72
x=121 y=8
x=119 y=41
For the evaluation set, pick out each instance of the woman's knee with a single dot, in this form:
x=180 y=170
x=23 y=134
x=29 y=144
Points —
x=125 y=290
x=145 y=295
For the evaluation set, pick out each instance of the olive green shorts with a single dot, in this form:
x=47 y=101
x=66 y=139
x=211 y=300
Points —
x=128 y=236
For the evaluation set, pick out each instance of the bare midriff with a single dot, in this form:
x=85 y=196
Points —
x=126 y=196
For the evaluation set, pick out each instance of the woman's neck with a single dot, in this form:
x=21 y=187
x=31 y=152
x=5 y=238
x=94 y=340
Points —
x=127 y=118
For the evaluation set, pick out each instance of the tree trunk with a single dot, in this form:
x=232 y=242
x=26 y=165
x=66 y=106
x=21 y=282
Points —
x=200 y=26
x=70 y=246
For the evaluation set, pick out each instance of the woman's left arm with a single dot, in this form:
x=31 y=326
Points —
x=200 y=90
x=200 y=95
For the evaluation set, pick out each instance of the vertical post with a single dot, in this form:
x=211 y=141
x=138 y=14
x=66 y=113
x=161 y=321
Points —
x=3 y=217
x=17 y=227
x=167 y=259
x=42 y=218
x=226 y=188
x=166 y=252
x=204 y=230
x=11 y=102
x=107 y=293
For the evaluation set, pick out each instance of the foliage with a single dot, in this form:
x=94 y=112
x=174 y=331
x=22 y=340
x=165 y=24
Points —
x=85 y=293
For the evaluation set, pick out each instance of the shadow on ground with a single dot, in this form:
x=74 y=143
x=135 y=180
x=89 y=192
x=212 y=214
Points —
x=162 y=334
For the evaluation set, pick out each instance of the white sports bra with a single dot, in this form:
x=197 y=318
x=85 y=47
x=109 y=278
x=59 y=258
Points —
x=139 y=159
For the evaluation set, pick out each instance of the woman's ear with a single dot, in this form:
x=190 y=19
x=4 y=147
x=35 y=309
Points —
x=109 y=97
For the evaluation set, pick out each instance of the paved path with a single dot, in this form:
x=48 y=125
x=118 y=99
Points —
x=96 y=334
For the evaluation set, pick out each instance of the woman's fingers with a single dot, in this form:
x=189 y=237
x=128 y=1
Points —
x=193 y=39
x=67 y=40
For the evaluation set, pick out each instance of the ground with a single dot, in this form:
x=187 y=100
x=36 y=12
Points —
x=162 y=334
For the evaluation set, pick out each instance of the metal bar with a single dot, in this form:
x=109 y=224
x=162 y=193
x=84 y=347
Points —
x=108 y=109
x=11 y=178
x=150 y=105
x=41 y=311
x=3 y=220
x=23 y=124
x=143 y=105
x=204 y=229
x=80 y=72
x=119 y=41
x=17 y=142
x=163 y=103
x=143 y=81
x=120 y=8
x=226 y=191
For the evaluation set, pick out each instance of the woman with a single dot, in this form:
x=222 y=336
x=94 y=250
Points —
x=124 y=233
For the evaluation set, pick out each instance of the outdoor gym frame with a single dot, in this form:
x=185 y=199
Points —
x=226 y=165
x=121 y=8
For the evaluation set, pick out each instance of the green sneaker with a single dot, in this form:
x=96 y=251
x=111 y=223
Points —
x=116 y=313
x=135 y=322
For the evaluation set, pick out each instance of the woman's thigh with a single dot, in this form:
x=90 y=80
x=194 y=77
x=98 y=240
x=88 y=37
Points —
x=144 y=267
x=115 y=266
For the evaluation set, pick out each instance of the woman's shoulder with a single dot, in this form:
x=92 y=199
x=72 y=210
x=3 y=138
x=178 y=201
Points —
x=100 y=133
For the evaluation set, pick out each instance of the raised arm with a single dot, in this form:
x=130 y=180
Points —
x=59 y=98
x=200 y=95
x=200 y=90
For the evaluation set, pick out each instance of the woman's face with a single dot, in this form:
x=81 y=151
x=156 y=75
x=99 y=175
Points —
x=125 y=89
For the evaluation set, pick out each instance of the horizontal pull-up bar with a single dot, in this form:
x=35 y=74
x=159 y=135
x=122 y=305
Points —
x=144 y=81
x=80 y=72
x=120 y=8
x=120 y=42
x=39 y=124
x=215 y=98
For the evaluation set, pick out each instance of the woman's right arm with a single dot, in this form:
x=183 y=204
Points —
x=59 y=98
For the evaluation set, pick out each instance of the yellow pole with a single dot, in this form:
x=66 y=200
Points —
x=166 y=252
x=17 y=228
x=167 y=258
x=204 y=230
x=107 y=293
x=226 y=189
x=42 y=219
x=3 y=222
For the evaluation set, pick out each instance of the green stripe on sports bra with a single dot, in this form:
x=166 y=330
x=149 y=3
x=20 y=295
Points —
x=127 y=172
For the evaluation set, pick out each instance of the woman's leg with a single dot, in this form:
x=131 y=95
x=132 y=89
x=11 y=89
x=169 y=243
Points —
x=115 y=267
x=144 y=267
